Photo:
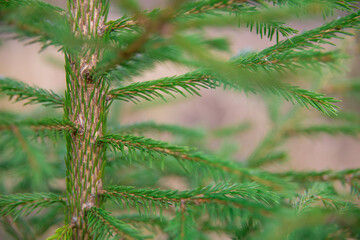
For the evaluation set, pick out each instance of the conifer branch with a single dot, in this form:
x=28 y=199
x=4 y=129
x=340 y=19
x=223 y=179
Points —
x=121 y=23
x=303 y=97
x=39 y=125
x=34 y=165
x=289 y=61
x=23 y=204
x=103 y=226
x=151 y=26
x=308 y=40
x=181 y=153
x=12 y=226
x=346 y=176
x=265 y=82
x=97 y=53
x=63 y=233
x=208 y=5
x=183 y=225
x=48 y=27
x=191 y=82
x=211 y=12
x=319 y=193
x=149 y=90
x=236 y=195
x=13 y=4
x=264 y=28
x=185 y=154
x=136 y=219
x=21 y=91
x=348 y=129
x=233 y=5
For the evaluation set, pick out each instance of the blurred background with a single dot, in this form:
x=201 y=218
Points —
x=215 y=109
x=246 y=117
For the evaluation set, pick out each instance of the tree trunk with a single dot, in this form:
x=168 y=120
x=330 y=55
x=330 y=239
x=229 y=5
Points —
x=85 y=106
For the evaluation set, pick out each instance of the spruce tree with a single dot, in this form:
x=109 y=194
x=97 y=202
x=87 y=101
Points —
x=106 y=167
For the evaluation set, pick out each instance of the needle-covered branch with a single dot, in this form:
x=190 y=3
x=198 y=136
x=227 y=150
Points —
x=104 y=226
x=36 y=20
x=152 y=26
x=290 y=61
x=243 y=11
x=63 y=233
x=32 y=95
x=147 y=145
x=185 y=154
x=346 y=129
x=285 y=55
x=346 y=176
x=233 y=13
x=146 y=220
x=192 y=82
x=321 y=193
x=311 y=39
x=23 y=204
x=149 y=90
x=295 y=94
x=349 y=177
x=249 y=196
x=233 y=5
x=38 y=125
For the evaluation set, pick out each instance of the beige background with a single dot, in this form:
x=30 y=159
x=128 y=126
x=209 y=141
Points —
x=216 y=108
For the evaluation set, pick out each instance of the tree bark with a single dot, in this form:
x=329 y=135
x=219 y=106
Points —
x=86 y=107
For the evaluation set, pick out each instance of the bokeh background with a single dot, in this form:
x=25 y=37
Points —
x=216 y=108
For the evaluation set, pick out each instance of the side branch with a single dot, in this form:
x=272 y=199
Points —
x=103 y=226
x=307 y=40
x=352 y=129
x=181 y=153
x=243 y=196
x=25 y=203
x=188 y=9
x=346 y=176
x=46 y=28
x=21 y=91
x=192 y=82
x=186 y=154
x=39 y=125
x=149 y=90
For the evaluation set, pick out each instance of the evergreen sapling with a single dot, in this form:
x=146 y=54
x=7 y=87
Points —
x=111 y=192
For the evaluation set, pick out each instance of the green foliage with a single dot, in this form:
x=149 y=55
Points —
x=188 y=83
x=36 y=21
x=21 y=91
x=250 y=196
x=63 y=233
x=224 y=191
x=147 y=147
x=43 y=124
x=23 y=204
x=103 y=225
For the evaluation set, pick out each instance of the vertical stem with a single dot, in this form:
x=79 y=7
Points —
x=85 y=106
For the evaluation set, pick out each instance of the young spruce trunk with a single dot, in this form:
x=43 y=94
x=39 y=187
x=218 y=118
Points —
x=85 y=107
